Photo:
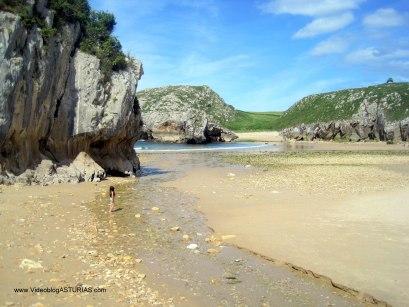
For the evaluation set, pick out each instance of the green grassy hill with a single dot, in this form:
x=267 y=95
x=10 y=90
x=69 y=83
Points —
x=392 y=98
x=170 y=102
x=253 y=121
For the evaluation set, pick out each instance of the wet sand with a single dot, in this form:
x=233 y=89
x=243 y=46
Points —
x=55 y=227
x=136 y=253
x=343 y=215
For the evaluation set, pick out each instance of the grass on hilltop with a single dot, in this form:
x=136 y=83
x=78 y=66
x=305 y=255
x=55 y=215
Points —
x=253 y=121
x=392 y=98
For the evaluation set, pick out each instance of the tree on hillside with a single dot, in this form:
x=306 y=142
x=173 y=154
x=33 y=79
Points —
x=390 y=80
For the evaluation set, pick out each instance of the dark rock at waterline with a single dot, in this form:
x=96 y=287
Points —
x=189 y=131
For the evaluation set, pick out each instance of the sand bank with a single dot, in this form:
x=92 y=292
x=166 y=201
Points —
x=260 y=136
x=343 y=215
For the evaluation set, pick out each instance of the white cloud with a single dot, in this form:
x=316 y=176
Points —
x=363 y=55
x=372 y=56
x=309 y=7
x=330 y=46
x=324 y=25
x=385 y=17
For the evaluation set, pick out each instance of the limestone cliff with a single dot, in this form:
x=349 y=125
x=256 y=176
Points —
x=373 y=113
x=190 y=114
x=54 y=103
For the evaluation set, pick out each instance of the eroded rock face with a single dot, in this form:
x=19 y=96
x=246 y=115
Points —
x=185 y=114
x=196 y=130
x=368 y=123
x=54 y=104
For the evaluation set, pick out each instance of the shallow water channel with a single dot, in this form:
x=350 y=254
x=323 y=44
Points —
x=214 y=273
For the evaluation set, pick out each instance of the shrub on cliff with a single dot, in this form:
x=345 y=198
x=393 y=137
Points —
x=65 y=11
x=70 y=11
x=97 y=27
x=98 y=40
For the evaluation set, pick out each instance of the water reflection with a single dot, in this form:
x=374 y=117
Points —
x=153 y=147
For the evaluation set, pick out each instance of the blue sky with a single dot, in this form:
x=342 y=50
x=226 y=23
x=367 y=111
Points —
x=264 y=55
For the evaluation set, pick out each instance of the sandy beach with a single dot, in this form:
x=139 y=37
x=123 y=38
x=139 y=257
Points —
x=157 y=248
x=340 y=214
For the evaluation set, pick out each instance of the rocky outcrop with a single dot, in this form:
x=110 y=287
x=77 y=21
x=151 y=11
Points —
x=185 y=114
x=192 y=130
x=55 y=105
x=369 y=123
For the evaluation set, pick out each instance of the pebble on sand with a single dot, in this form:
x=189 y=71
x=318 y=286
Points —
x=185 y=237
x=137 y=215
x=192 y=246
x=176 y=228
x=155 y=209
x=30 y=264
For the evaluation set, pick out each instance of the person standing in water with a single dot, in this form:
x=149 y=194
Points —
x=111 y=198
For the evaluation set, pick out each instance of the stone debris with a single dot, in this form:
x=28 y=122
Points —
x=155 y=209
x=176 y=228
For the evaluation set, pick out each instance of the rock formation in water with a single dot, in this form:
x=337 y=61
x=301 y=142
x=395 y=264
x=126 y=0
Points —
x=374 y=113
x=57 y=113
x=187 y=114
